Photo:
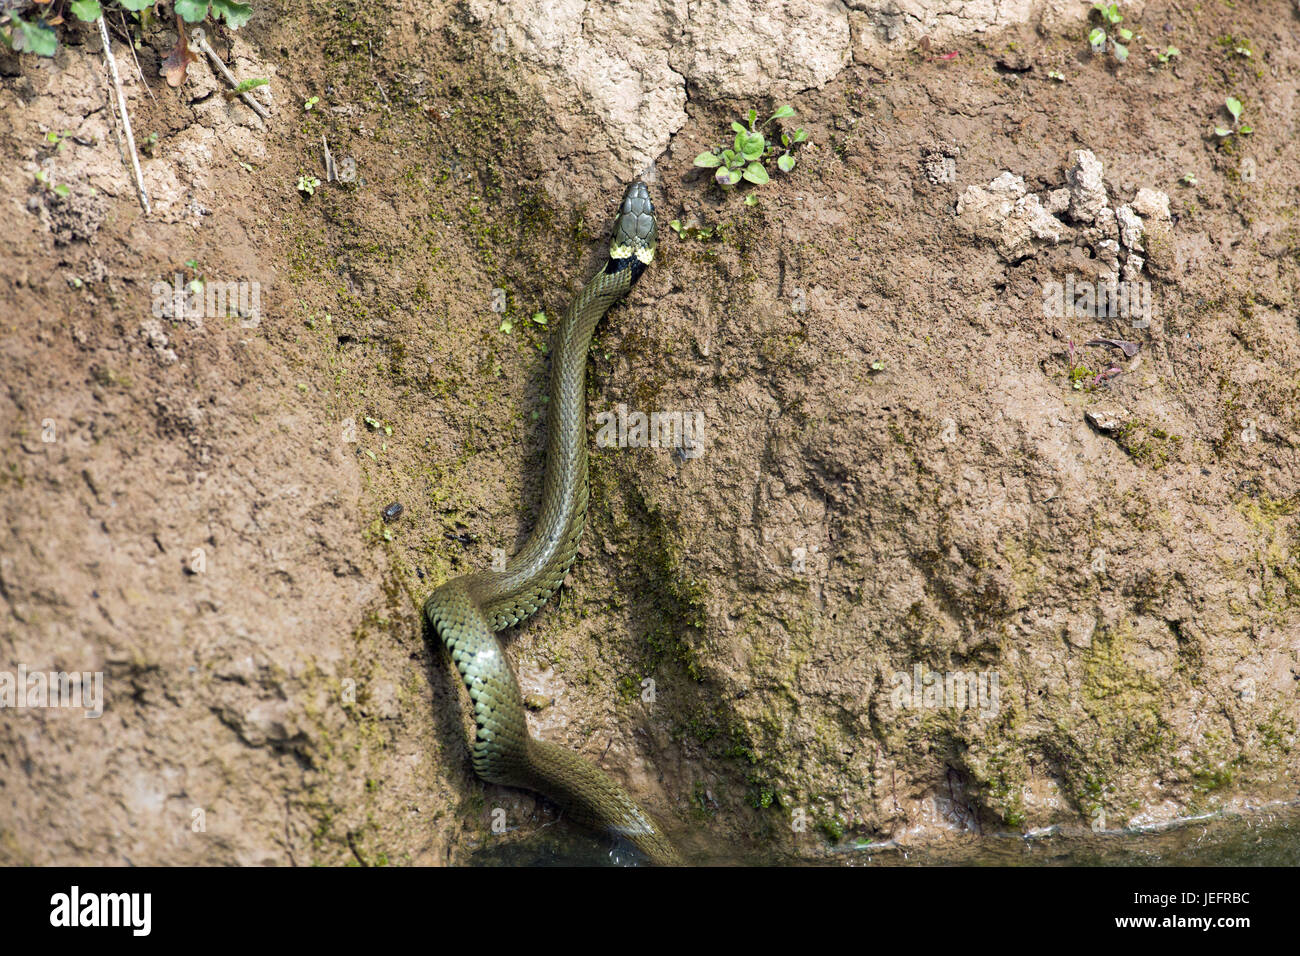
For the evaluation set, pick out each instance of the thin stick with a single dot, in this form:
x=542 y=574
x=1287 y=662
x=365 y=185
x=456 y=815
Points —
x=126 y=119
x=130 y=45
x=330 y=174
x=201 y=39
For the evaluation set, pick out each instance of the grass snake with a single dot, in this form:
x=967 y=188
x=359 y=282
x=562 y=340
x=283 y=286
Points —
x=466 y=612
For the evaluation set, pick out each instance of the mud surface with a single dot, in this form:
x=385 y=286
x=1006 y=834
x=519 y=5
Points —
x=908 y=467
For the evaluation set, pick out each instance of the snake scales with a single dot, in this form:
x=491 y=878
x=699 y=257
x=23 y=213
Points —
x=465 y=612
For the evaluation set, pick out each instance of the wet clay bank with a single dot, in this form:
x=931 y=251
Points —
x=912 y=469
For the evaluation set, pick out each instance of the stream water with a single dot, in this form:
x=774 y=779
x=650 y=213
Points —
x=1265 y=837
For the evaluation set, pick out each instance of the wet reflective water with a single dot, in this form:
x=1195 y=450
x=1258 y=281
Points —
x=1268 y=837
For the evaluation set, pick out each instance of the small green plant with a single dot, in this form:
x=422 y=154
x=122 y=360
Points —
x=311 y=102
x=1056 y=75
x=1169 y=54
x=62 y=191
x=245 y=86
x=693 y=230
x=1239 y=47
x=35 y=34
x=307 y=185
x=747 y=156
x=195 y=285
x=1099 y=39
x=1233 y=106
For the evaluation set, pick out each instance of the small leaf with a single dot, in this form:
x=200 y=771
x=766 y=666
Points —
x=38 y=37
x=86 y=11
x=739 y=128
x=173 y=68
x=245 y=86
x=782 y=112
x=753 y=147
x=1125 y=34
x=785 y=139
x=1245 y=130
x=1121 y=51
x=751 y=199
x=753 y=115
x=708 y=160
x=800 y=135
x=785 y=162
x=135 y=6
x=193 y=11
x=1097 y=39
x=62 y=191
x=676 y=226
x=1234 y=107
x=756 y=174
x=235 y=14
x=539 y=318
x=1220 y=131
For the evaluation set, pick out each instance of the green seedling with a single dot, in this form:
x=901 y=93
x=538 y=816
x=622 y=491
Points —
x=1117 y=39
x=747 y=156
x=35 y=33
x=1233 y=106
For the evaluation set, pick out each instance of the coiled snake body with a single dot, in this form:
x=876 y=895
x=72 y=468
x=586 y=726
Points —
x=465 y=612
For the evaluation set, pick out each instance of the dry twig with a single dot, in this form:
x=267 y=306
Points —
x=126 y=119
x=201 y=40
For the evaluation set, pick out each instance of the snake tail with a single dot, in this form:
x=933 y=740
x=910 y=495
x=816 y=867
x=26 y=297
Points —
x=468 y=611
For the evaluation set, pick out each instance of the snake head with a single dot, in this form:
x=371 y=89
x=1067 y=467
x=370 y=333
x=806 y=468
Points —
x=636 y=234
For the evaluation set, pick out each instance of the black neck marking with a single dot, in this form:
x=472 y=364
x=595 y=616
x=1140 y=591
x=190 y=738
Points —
x=614 y=266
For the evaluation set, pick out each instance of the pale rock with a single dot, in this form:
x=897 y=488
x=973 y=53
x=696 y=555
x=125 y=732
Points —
x=1152 y=204
x=1003 y=213
x=603 y=73
x=1105 y=225
x=880 y=26
x=1107 y=419
x=1087 y=192
x=1130 y=227
x=748 y=48
x=1108 y=253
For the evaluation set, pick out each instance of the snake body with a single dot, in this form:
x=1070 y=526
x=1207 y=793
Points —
x=466 y=612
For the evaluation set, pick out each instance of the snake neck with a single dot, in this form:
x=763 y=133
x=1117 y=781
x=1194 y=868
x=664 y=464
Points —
x=532 y=576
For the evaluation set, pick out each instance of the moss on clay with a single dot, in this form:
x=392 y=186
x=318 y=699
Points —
x=1147 y=444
